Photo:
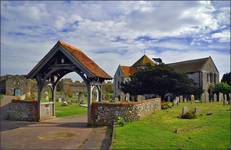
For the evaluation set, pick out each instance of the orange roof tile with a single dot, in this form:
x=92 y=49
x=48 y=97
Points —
x=85 y=60
x=128 y=71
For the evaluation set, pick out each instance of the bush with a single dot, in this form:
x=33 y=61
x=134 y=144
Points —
x=189 y=115
x=120 y=121
x=166 y=105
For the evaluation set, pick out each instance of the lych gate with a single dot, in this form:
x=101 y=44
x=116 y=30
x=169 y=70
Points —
x=62 y=59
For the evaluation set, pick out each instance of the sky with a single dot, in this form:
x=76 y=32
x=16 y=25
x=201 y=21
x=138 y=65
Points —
x=116 y=32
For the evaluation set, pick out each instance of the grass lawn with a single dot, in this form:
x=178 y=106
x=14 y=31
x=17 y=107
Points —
x=157 y=131
x=69 y=110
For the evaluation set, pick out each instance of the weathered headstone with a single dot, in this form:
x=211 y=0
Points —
x=197 y=111
x=116 y=99
x=225 y=102
x=192 y=98
x=60 y=100
x=122 y=96
x=184 y=110
x=46 y=96
x=127 y=98
x=177 y=100
x=214 y=97
x=221 y=97
x=185 y=100
x=181 y=99
x=169 y=98
x=140 y=97
x=206 y=97
x=203 y=97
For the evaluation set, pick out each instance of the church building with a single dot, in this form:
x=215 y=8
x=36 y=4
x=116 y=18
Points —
x=203 y=71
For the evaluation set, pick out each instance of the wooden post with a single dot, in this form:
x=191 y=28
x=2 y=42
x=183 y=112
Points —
x=53 y=98
x=89 y=87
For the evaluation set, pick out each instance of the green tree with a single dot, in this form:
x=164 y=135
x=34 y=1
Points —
x=222 y=87
x=160 y=80
x=226 y=78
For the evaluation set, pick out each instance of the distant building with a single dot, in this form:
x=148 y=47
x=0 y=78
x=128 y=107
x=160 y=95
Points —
x=203 y=71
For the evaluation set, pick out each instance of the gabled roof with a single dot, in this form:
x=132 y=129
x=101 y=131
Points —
x=128 y=71
x=85 y=60
x=190 y=65
x=79 y=58
x=144 y=60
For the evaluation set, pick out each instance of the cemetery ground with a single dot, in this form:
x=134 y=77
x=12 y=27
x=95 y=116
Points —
x=164 y=130
x=69 y=110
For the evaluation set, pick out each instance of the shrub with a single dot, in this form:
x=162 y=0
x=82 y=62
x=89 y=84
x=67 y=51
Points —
x=120 y=121
x=166 y=105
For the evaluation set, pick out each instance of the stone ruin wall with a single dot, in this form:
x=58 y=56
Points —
x=106 y=113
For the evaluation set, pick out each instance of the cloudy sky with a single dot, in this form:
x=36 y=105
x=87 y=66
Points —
x=113 y=33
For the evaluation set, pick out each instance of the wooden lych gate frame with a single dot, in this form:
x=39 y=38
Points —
x=62 y=59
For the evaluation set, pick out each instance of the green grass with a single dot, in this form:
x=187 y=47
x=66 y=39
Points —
x=69 y=110
x=157 y=131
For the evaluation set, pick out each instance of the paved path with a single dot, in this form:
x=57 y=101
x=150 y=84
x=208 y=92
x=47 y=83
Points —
x=59 y=133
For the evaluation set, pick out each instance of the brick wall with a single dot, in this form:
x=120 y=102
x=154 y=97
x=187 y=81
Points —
x=105 y=113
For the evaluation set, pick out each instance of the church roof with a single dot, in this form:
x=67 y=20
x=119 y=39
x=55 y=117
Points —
x=128 y=71
x=85 y=60
x=189 y=65
x=144 y=60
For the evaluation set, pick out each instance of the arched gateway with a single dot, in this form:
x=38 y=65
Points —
x=62 y=59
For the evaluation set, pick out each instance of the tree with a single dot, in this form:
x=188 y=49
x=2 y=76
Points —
x=160 y=80
x=226 y=78
x=222 y=87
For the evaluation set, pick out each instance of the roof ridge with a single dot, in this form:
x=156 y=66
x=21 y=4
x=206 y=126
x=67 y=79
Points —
x=185 y=61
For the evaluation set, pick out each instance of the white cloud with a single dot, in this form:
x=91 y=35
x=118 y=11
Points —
x=223 y=36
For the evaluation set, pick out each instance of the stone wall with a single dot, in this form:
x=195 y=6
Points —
x=23 y=110
x=105 y=113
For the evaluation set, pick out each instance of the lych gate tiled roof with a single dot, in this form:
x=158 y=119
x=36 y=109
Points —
x=189 y=66
x=85 y=60
x=144 y=60
x=128 y=71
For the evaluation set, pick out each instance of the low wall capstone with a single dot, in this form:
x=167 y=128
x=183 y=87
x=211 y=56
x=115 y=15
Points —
x=106 y=113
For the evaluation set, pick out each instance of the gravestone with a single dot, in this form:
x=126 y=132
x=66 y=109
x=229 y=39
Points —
x=116 y=99
x=214 y=97
x=203 y=97
x=127 y=98
x=221 y=97
x=169 y=98
x=184 y=110
x=185 y=100
x=140 y=98
x=81 y=99
x=181 y=99
x=206 y=97
x=192 y=98
x=177 y=100
x=197 y=111
x=46 y=96
x=122 y=96
x=225 y=102
x=60 y=100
